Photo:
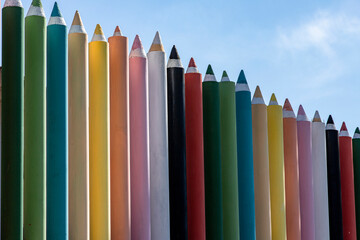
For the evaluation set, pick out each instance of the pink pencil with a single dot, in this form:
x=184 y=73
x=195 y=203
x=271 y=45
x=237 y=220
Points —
x=139 y=174
x=305 y=176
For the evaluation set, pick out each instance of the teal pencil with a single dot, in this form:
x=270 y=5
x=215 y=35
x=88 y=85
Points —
x=229 y=159
x=56 y=129
x=12 y=137
x=245 y=159
x=35 y=124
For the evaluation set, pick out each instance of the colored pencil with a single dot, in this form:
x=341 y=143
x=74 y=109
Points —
x=212 y=157
x=276 y=166
x=177 y=146
x=139 y=173
x=305 y=176
x=158 y=141
x=194 y=153
x=119 y=155
x=229 y=158
x=99 y=156
x=245 y=159
x=261 y=167
x=347 y=184
x=320 y=178
x=35 y=124
x=356 y=159
x=56 y=128
x=334 y=186
x=79 y=218
x=291 y=164
x=12 y=133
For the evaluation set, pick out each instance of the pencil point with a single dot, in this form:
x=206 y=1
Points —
x=36 y=9
x=317 y=117
x=56 y=12
x=225 y=77
x=77 y=25
x=258 y=98
x=174 y=53
x=273 y=100
x=117 y=32
x=157 y=44
x=209 y=76
x=330 y=120
x=343 y=127
x=192 y=68
x=288 y=111
x=357 y=133
x=301 y=114
x=98 y=34
x=137 y=49
x=242 y=78
x=13 y=3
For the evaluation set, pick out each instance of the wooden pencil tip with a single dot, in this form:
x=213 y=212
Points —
x=343 y=127
x=137 y=43
x=242 y=78
x=258 y=97
x=209 y=76
x=357 y=130
x=273 y=100
x=330 y=120
x=209 y=70
x=117 y=31
x=77 y=19
x=56 y=11
x=287 y=105
x=13 y=3
x=192 y=68
x=317 y=117
x=225 y=77
x=156 y=45
x=174 y=53
x=301 y=114
x=98 y=34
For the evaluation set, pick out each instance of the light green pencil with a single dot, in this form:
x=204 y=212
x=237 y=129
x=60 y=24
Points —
x=35 y=124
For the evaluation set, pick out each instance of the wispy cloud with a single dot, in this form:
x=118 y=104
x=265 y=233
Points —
x=322 y=32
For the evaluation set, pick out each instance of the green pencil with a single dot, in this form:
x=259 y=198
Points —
x=35 y=124
x=212 y=157
x=12 y=120
x=356 y=161
x=229 y=158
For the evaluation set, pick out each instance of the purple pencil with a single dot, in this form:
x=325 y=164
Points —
x=305 y=176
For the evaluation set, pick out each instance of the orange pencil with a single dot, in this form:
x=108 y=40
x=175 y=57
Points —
x=119 y=155
x=293 y=224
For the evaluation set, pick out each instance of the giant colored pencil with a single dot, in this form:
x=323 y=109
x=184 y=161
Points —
x=245 y=159
x=356 y=160
x=291 y=164
x=320 y=178
x=276 y=166
x=99 y=155
x=261 y=166
x=119 y=155
x=305 y=176
x=334 y=186
x=159 y=168
x=229 y=158
x=12 y=133
x=78 y=131
x=194 y=153
x=56 y=128
x=347 y=184
x=177 y=147
x=35 y=124
x=212 y=157
x=139 y=173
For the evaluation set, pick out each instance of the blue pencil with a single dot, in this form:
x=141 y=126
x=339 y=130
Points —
x=57 y=135
x=245 y=159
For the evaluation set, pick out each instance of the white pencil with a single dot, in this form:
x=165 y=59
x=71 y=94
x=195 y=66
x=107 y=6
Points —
x=159 y=172
x=320 y=179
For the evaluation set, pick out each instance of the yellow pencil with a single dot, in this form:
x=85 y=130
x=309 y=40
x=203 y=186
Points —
x=99 y=136
x=276 y=166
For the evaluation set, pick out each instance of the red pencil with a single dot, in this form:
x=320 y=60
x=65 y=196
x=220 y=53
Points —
x=347 y=184
x=194 y=153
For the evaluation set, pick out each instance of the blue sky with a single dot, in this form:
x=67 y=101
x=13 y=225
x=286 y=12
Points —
x=308 y=51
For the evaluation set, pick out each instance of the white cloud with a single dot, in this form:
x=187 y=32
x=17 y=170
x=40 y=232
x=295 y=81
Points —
x=322 y=32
